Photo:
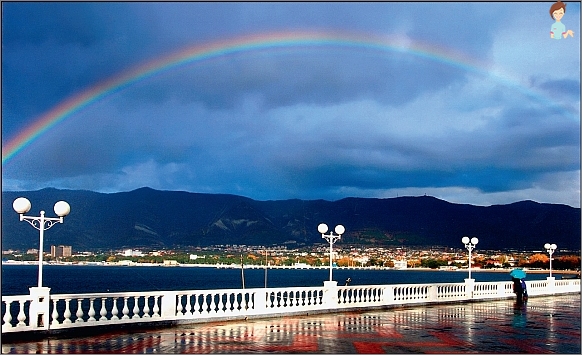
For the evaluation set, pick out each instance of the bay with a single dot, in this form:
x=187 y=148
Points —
x=16 y=279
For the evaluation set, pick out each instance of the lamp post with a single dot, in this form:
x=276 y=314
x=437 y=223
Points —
x=266 y=267
x=470 y=245
x=22 y=205
x=551 y=248
x=331 y=238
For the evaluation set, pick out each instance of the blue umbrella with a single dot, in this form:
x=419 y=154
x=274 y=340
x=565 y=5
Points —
x=517 y=274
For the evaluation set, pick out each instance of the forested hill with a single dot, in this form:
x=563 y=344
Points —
x=152 y=218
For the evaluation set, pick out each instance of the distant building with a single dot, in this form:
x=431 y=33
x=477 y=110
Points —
x=61 y=251
x=131 y=252
x=400 y=264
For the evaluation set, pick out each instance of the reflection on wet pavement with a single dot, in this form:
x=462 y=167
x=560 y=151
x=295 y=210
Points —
x=542 y=325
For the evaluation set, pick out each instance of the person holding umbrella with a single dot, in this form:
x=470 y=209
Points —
x=519 y=287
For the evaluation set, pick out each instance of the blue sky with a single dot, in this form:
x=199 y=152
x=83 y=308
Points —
x=309 y=122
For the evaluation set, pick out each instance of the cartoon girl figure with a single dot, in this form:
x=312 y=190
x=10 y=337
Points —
x=557 y=11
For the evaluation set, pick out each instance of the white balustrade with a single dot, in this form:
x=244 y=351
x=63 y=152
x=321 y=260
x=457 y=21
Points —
x=85 y=310
x=15 y=313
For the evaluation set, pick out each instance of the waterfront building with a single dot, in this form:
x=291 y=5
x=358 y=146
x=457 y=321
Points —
x=61 y=251
x=400 y=264
x=131 y=252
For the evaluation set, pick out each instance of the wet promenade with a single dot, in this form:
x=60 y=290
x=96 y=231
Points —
x=542 y=325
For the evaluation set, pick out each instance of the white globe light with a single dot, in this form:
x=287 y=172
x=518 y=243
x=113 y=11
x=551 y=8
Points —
x=554 y=246
x=465 y=240
x=547 y=246
x=474 y=240
x=62 y=208
x=322 y=228
x=21 y=205
x=339 y=229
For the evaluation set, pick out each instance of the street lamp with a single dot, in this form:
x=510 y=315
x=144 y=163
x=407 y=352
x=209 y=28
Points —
x=470 y=245
x=22 y=205
x=551 y=248
x=331 y=238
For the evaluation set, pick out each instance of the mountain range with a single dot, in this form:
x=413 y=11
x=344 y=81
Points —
x=156 y=219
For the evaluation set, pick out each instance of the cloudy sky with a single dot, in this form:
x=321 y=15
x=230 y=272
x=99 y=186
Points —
x=468 y=102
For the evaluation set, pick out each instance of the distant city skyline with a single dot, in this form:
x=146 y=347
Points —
x=277 y=101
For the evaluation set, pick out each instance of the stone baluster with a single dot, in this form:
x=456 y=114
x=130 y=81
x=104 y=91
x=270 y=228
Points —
x=204 y=305
x=212 y=304
x=179 y=306
x=238 y=302
x=79 y=313
x=189 y=305
x=221 y=303
x=230 y=300
x=55 y=313
x=21 y=316
x=7 y=316
x=156 y=309
x=114 y=309
x=146 y=307
x=91 y=310
x=67 y=313
x=103 y=312
x=195 y=305
x=251 y=303
x=125 y=310
x=269 y=299
x=135 y=307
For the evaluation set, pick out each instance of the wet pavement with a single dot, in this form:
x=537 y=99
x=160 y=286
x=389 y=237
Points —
x=542 y=325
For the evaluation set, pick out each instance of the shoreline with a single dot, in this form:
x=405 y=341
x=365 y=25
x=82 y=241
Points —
x=219 y=266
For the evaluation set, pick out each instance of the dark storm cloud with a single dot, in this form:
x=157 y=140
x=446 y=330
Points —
x=305 y=122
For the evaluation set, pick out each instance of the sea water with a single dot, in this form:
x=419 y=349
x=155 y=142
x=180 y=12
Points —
x=16 y=279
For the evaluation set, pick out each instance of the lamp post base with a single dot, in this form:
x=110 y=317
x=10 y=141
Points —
x=39 y=307
x=469 y=288
x=330 y=293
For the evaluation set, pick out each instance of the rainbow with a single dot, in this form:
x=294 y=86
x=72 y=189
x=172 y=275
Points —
x=198 y=53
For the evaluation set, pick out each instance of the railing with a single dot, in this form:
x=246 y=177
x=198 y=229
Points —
x=41 y=311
